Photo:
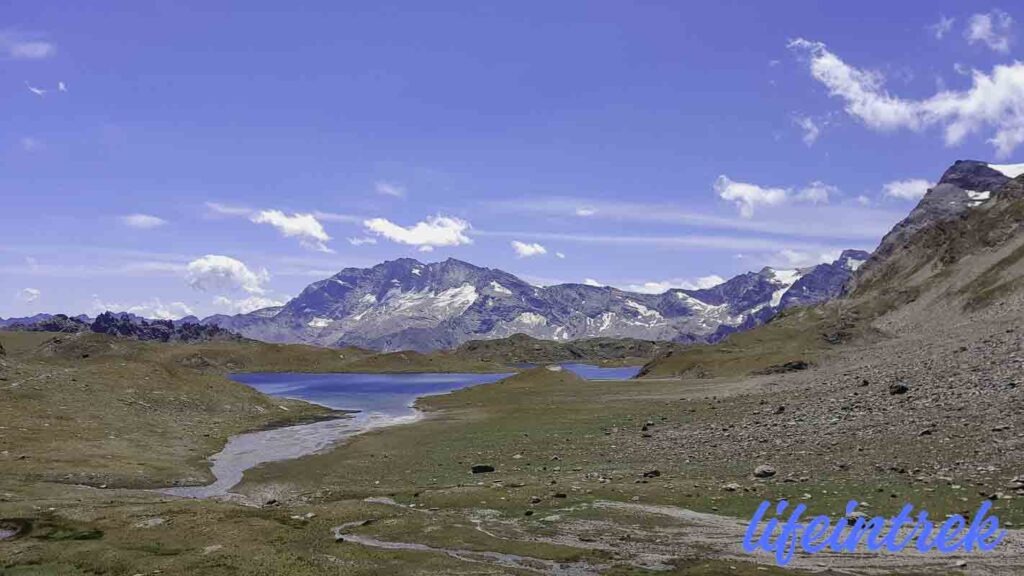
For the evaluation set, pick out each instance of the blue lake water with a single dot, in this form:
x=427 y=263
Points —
x=380 y=399
x=391 y=394
x=591 y=372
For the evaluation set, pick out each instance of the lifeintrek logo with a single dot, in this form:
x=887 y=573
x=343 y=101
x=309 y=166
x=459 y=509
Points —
x=784 y=535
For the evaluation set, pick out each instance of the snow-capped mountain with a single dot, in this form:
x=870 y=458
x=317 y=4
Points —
x=406 y=304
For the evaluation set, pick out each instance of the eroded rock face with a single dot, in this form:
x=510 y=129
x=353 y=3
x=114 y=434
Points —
x=406 y=304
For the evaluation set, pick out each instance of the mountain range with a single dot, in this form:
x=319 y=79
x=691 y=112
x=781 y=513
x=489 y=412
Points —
x=405 y=304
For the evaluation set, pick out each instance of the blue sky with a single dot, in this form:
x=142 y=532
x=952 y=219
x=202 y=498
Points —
x=215 y=158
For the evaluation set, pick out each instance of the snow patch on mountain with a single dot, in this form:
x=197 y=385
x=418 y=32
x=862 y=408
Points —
x=391 y=307
x=786 y=279
x=1008 y=170
x=319 y=323
x=499 y=288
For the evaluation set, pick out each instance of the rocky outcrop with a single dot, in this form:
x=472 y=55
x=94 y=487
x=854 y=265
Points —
x=128 y=326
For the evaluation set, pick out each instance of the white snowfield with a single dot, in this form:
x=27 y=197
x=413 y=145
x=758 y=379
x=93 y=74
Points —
x=1008 y=170
x=787 y=278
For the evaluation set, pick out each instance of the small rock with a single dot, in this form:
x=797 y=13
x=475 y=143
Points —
x=898 y=388
x=764 y=471
x=482 y=468
x=652 y=474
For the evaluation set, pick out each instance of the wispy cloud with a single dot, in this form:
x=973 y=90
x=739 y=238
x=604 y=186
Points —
x=307 y=227
x=801 y=259
x=25 y=46
x=219 y=209
x=154 y=309
x=747 y=196
x=661 y=286
x=31 y=144
x=245 y=305
x=810 y=128
x=992 y=29
x=834 y=221
x=28 y=295
x=911 y=189
x=389 y=189
x=748 y=244
x=942 y=27
x=995 y=101
x=337 y=217
x=362 y=241
x=142 y=221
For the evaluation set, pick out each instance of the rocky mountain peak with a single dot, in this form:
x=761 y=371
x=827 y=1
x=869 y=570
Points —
x=973 y=175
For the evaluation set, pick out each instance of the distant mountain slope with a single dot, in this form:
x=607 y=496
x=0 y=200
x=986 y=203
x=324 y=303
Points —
x=408 y=305
x=123 y=325
x=961 y=249
x=955 y=263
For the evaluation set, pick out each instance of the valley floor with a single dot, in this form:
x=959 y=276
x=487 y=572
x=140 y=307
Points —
x=633 y=477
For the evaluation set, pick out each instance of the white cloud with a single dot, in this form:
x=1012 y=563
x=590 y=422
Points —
x=592 y=282
x=810 y=128
x=995 y=101
x=21 y=46
x=842 y=220
x=218 y=209
x=584 y=212
x=28 y=295
x=336 y=217
x=560 y=255
x=991 y=28
x=142 y=221
x=361 y=241
x=154 y=309
x=816 y=192
x=524 y=250
x=801 y=259
x=217 y=273
x=677 y=283
x=30 y=144
x=434 y=231
x=245 y=305
x=863 y=200
x=389 y=189
x=942 y=27
x=747 y=196
x=305 y=227
x=911 y=189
